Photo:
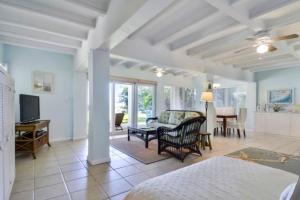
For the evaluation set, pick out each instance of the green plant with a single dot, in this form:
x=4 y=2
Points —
x=276 y=108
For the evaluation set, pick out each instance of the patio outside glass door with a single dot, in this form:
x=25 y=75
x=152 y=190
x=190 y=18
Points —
x=124 y=102
x=145 y=102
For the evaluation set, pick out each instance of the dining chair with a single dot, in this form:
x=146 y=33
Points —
x=239 y=124
x=212 y=118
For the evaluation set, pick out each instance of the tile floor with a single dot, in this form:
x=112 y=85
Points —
x=62 y=173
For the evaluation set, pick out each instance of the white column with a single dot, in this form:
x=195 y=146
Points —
x=98 y=151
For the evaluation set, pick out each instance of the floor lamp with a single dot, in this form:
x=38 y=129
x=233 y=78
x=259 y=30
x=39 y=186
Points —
x=207 y=97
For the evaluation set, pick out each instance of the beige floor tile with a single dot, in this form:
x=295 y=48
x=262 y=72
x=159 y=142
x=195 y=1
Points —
x=137 y=178
x=27 y=195
x=107 y=177
x=47 y=171
x=50 y=192
x=92 y=193
x=76 y=174
x=67 y=160
x=21 y=186
x=48 y=180
x=72 y=167
x=116 y=187
x=115 y=164
x=127 y=171
x=64 y=197
x=81 y=184
x=119 y=196
x=98 y=169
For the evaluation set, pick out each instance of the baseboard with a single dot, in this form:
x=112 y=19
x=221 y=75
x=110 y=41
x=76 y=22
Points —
x=80 y=138
x=100 y=161
x=60 y=139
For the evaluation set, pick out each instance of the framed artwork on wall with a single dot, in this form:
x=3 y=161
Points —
x=43 y=82
x=282 y=96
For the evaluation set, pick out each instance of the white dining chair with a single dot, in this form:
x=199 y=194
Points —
x=239 y=124
x=213 y=124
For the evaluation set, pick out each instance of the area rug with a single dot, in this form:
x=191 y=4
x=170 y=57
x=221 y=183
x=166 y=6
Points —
x=136 y=148
x=272 y=159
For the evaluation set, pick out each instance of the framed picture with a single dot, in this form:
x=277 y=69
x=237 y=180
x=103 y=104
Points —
x=283 y=96
x=43 y=82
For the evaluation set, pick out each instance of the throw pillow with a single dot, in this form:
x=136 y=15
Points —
x=164 y=117
x=176 y=117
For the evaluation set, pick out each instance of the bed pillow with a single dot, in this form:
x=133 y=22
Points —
x=288 y=192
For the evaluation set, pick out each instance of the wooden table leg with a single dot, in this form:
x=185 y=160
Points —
x=146 y=140
x=224 y=127
x=128 y=136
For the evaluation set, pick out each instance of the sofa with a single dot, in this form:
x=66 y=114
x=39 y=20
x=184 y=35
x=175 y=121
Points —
x=172 y=118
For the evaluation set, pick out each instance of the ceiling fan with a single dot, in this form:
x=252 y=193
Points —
x=263 y=41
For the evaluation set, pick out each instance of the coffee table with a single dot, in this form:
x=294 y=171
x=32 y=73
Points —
x=145 y=133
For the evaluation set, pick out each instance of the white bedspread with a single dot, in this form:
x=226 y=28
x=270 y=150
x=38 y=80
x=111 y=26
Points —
x=216 y=178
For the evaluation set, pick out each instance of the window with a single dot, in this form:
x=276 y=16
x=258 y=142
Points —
x=187 y=98
x=167 y=97
x=230 y=97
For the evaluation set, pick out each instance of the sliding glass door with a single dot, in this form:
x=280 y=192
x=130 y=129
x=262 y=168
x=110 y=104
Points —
x=145 y=102
x=123 y=102
x=136 y=101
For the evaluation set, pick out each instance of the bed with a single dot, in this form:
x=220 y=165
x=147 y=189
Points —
x=216 y=178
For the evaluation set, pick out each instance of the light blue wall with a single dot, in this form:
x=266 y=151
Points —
x=57 y=106
x=278 y=79
x=1 y=53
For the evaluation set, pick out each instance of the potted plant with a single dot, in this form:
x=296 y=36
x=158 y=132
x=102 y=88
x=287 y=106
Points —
x=276 y=108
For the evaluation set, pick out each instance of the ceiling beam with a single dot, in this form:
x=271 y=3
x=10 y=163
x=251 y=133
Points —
x=282 y=65
x=35 y=44
x=201 y=36
x=262 y=63
x=98 y=8
x=35 y=35
x=21 y=19
x=269 y=6
x=52 y=13
x=257 y=60
x=241 y=15
x=216 y=44
x=181 y=29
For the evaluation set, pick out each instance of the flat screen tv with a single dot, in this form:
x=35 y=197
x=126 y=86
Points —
x=29 y=108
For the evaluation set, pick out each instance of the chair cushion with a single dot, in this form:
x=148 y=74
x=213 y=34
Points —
x=176 y=117
x=191 y=114
x=164 y=117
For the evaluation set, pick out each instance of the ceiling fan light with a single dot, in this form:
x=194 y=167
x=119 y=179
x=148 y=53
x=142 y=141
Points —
x=159 y=74
x=262 y=48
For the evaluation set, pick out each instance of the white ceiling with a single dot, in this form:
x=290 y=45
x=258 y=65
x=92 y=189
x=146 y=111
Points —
x=58 y=25
x=209 y=31
x=212 y=30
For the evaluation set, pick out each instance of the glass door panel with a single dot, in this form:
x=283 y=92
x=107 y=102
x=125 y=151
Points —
x=145 y=103
x=123 y=102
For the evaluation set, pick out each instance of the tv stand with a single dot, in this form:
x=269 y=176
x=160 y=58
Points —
x=31 y=136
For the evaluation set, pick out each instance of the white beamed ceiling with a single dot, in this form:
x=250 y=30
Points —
x=210 y=31
x=55 y=25
x=213 y=30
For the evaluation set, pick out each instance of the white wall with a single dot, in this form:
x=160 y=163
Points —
x=167 y=80
x=278 y=79
x=57 y=106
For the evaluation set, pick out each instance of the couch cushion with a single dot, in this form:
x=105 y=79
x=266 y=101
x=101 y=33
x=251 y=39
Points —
x=176 y=117
x=165 y=125
x=190 y=114
x=164 y=117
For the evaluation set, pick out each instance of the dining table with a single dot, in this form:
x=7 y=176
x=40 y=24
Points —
x=225 y=117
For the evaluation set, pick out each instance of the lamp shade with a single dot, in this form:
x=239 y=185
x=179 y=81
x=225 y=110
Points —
x=207 y=96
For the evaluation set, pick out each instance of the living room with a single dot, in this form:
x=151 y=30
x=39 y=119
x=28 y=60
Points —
x=105 y=99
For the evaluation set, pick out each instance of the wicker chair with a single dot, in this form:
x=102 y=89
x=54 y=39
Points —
x=118 y=121
x=181 y=140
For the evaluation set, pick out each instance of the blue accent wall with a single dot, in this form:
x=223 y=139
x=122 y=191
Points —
x=57 y=106
x=278 y=79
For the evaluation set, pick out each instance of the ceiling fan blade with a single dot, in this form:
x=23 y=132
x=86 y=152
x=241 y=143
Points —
x=241 y=50
x=286 y=37
x=251 y=39
x=272 y=48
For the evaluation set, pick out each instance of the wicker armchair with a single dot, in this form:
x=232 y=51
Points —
x=181 y=140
